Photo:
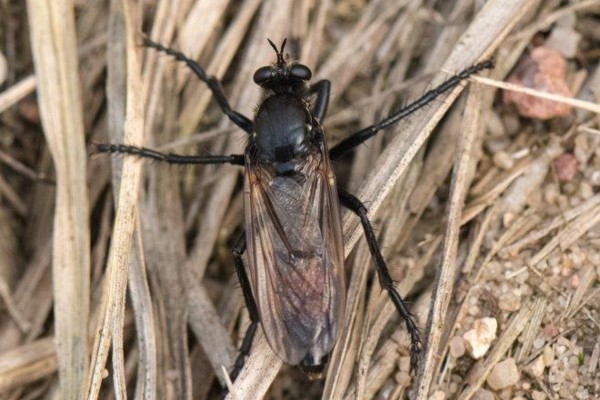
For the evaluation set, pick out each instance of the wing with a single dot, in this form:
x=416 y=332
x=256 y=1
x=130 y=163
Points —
x=295 y=256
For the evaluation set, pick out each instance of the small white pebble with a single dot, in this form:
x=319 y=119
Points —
x=595 y=178
x=508 y=218
x=539 y=343
x=479 y=339
x=504 y=374
x=536 y=367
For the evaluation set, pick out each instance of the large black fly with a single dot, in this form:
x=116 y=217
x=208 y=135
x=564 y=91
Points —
x=295 y=286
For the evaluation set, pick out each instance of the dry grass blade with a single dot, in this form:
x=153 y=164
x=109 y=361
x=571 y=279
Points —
x=569 y=234
x=113 y=299
x=461 y=180
x=259 y=371
x=205 y=323
x=55 y=47
x=27 y=363
x=12 y=95
x=584 y=105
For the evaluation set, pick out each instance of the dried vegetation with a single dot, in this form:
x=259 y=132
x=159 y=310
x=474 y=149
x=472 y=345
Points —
x=116 y=273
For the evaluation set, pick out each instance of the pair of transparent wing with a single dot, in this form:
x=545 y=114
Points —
x=296 y=256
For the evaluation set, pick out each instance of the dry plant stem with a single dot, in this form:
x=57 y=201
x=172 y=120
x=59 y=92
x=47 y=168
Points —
x=192 y=37
x=54 y=48
x=113 y=298
x=116 y=89
x=259 y=371
x=558 y=221
x=8 y=262
x=341 y=364
x=17 y=92
x=141 y=300
x=206 y=325
x=588 y=277
x=369 y=339
x=461 y=180
x=27 y=363
x=202 y=309
x=533 y=327
x=163 y=30
x=381 y=369
x=568 y=235
x=12 y=198
x=11 y=308
x=582 y=104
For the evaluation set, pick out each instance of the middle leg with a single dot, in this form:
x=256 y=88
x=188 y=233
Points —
x=385 y=280
x=171 y=158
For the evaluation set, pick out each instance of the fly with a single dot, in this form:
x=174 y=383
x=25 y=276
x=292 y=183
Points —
x=294 y=281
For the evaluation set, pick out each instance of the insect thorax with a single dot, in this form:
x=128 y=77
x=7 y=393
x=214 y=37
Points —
x=283 y=130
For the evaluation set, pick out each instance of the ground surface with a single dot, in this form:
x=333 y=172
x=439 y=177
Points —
x=500 y=198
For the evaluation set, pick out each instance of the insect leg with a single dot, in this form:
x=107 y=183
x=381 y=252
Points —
x=357 y=207
x=323 y=90
x=364 y=134
x=213 y=84
x=235 y=159
x=238 y=250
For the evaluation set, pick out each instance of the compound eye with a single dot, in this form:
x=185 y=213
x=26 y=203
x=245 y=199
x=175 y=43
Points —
x=300 y=71
x=262 y=75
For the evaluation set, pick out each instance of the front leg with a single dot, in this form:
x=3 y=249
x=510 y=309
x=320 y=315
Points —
x=323 y=90
x=352 y=203
x=213 y=84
